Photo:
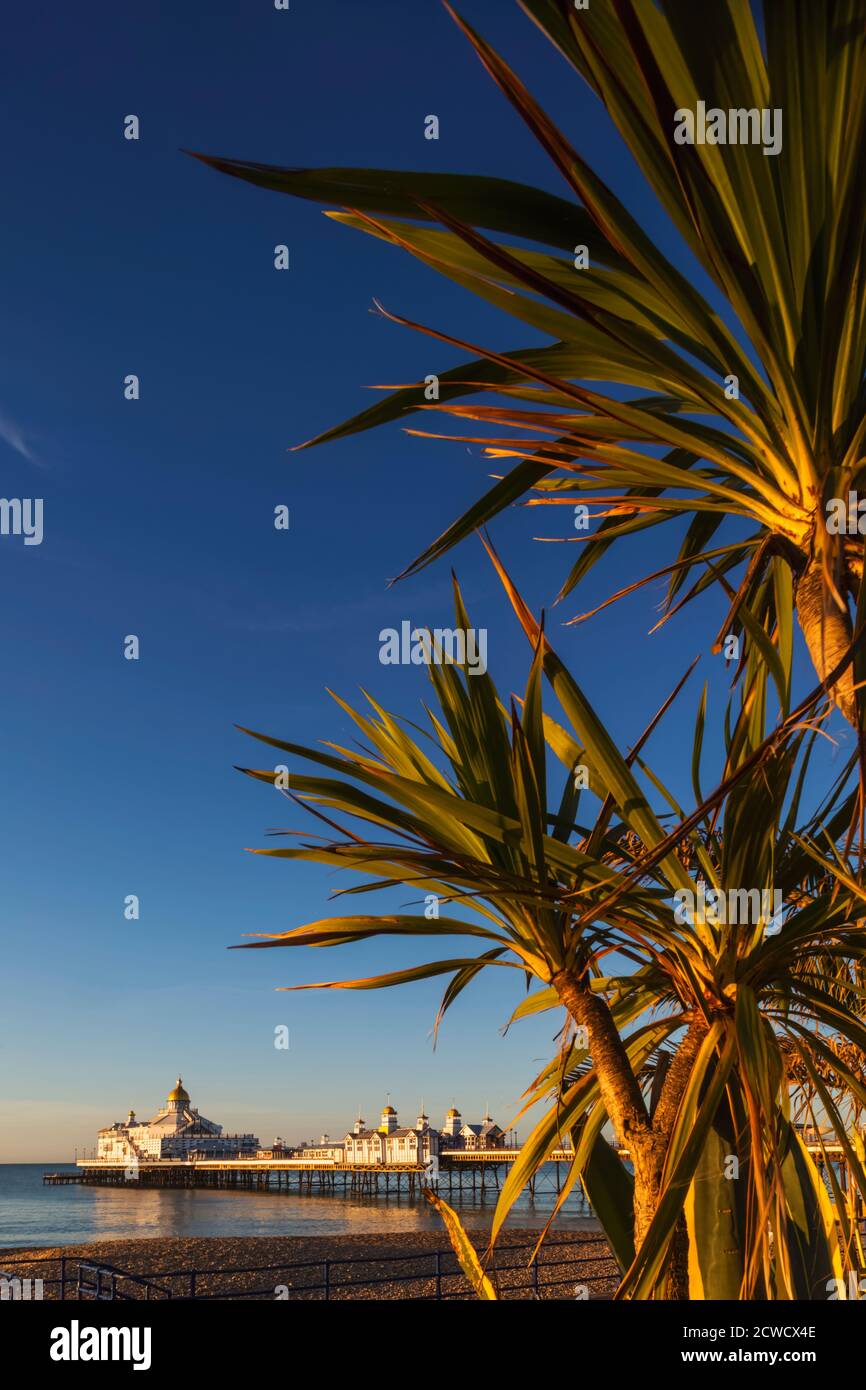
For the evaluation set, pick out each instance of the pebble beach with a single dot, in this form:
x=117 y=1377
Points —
x=571 y=1266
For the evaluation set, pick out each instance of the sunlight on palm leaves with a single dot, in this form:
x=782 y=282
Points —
x=781 y=241
x=695 y=1032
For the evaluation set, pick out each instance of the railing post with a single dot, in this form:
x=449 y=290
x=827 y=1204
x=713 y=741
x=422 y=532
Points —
x=438 y=1254
x=62 y=1277
x=192 y=1284
x=327 y=1280
x=535 y=1274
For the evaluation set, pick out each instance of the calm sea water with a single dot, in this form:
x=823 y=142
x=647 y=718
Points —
x=34 y=1214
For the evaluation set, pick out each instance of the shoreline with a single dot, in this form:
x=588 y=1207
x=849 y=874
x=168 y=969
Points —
x=567 y=1260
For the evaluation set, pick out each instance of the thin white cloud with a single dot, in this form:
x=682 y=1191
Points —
x=11 y=434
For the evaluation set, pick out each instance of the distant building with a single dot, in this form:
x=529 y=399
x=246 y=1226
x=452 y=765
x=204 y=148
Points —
x=487 y=1135
x=326 y=1151
x=279 y=1149
x=451 y=1129
x=389 y=1144
x=471 y=1138
x=176 y=1131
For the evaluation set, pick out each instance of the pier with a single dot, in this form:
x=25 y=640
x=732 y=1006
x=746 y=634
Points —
x=458 y=1172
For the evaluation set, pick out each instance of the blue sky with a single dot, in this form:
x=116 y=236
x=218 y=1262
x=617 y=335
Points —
x=126 y=257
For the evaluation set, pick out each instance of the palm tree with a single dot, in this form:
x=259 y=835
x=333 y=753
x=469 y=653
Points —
x=762 y=422
x=683 y=1032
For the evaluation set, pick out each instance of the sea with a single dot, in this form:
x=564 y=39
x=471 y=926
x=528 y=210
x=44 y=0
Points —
x=36 y=1214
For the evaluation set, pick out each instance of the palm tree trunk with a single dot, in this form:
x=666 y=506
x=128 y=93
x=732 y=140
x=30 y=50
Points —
x=663 y=1121
x=647 y=1141
x=827 y=630
x=620 y=1092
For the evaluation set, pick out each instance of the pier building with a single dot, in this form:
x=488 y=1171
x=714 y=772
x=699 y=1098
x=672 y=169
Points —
x=176 y=1131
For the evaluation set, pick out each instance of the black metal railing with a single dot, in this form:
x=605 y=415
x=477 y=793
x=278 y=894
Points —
x=427 y=1275
x=107 y=1284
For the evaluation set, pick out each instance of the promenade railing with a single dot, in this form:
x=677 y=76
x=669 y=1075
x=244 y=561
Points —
x=574 y=1268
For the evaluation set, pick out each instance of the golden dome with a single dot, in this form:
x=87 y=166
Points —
x=178 y=1093
x=453 y=1114
x=389 y=1110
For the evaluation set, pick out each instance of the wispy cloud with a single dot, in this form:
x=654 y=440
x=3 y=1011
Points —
x=11 y=435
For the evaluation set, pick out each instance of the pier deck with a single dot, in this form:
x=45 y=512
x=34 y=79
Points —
x=477 y=1171
x=458 y=1171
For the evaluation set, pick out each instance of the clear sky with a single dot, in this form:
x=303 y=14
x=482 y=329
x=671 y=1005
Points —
x=126 y=257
